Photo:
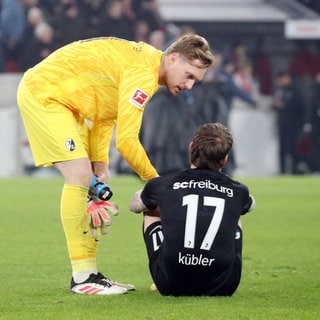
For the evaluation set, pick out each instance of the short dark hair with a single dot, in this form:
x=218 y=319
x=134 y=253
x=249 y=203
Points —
x=211 y=143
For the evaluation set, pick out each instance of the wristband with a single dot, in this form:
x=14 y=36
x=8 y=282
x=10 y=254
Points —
x=99 y=189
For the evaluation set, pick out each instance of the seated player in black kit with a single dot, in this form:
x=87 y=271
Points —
x=192 y=225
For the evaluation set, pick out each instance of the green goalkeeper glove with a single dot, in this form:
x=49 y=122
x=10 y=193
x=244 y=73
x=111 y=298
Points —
x=98 y=215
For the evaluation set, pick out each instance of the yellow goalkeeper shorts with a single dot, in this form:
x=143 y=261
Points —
x=54 y=132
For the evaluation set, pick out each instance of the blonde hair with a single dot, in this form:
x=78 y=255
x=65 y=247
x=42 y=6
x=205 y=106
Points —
x=193 y=47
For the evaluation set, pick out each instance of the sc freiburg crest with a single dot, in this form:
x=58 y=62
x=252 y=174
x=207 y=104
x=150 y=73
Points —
x=70 y=144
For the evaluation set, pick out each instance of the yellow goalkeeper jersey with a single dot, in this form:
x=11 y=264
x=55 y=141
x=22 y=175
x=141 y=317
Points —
x=107 y=81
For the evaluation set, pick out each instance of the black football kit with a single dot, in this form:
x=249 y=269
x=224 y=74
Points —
x=196 y=248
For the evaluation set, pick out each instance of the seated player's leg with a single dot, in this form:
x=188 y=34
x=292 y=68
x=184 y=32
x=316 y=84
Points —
x=229 y=285
x=153 y=235
x=153 y=238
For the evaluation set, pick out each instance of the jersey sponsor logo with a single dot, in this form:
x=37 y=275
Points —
x=70 y=144
x=206 y=184
x=194 y=260
x=138 y=98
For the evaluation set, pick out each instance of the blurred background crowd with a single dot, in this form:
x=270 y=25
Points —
x=32 y=29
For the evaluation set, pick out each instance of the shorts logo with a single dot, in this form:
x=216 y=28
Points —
x=70 y=145
x=138 y=98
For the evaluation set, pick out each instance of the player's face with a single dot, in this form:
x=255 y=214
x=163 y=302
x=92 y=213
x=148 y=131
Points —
x=181 y=75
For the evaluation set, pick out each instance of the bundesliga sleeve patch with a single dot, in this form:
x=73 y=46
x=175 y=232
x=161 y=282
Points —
x=138 y=98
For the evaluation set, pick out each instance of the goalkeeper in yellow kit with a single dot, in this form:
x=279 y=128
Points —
x=71 y=102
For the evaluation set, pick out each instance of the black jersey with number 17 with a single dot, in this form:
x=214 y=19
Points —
x=200 y=210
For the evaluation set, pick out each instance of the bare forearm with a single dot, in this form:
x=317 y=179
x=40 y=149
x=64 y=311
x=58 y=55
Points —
x=136 y=204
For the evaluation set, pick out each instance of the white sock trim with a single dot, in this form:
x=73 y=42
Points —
x=81 y=276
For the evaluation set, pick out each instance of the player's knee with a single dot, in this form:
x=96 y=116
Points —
x=77 y=172
x=148 y=220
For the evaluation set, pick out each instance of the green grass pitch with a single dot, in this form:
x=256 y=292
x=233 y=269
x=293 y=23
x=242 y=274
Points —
x=281 y=257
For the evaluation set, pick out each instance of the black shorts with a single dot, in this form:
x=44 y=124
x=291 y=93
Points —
x=225 y=285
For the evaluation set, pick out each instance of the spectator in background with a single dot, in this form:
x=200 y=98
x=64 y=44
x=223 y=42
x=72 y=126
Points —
x=289 y=104
x=13 y=23
x=228 y=90
x=113 y=22
x=306 y=61
x=309 y=143
x=304 y=67
x=315 y=125
x=48 y=7
x=244 y=70
x=240 y=55
x=157 y=38
x=243 y=78
x=263 y=70
x=39 y=47
x=35 y=16
x=128 y=11
x=70 y=25
x=141 y=31
x=92 y=11
x=224 y=75
x=148 y=11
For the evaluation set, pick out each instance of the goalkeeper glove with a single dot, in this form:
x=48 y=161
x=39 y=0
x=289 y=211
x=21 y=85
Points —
x=98 y=215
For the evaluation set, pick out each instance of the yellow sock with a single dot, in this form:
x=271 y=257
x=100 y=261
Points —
x=82 y=247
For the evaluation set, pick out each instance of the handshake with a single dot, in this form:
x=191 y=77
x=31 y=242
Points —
x=98 y=208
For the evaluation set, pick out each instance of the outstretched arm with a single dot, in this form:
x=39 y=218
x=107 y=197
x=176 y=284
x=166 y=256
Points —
x=128 y=143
